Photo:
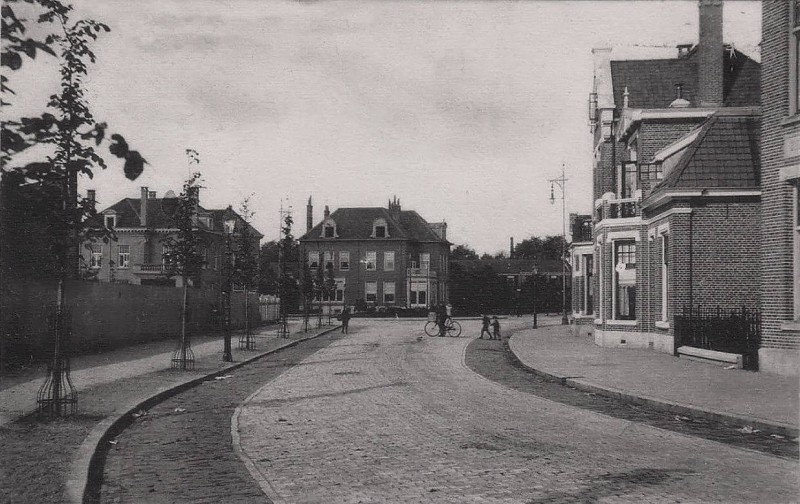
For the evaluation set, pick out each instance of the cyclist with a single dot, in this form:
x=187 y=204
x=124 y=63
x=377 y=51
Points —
x=441 y=319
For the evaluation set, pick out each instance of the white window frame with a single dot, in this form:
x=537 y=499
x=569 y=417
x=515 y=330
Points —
x=664 y=238
x=344 y=261
x=113 y=218
x=415 y=287
x=389 y=289
x=600 y=268
x=328 y=258
x=313 y=260
x=388 y=261
x=371 y=292
x=96 y=259
x=124 y=258
x=340 y=283
x=613 y=238
x=371 y=260
x=380 y=222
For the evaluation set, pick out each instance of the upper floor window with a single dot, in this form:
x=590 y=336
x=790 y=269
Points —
x=380 y=229
x=328 y=260
x=425 y=261
x=625 y=280
x=110 y=221
x=371 y=260
x=627 y=179
x=313 y=260
x=124 y=256
x=388 y=261
x=344 y=261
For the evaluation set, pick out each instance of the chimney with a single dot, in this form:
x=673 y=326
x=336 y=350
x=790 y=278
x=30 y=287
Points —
x=511 y=249
x=683 y=50
x=394 y=207
x=327 y=212
x=710 y=54
x=309 y=215
x=151 y=195
x=143 y=210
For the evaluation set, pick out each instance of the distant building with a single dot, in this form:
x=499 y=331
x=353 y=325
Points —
x=581 y=254
x=676 y=189
x=780 y=200
x=380 y=256
x=141 y=226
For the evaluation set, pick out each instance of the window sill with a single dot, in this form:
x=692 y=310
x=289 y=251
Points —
x=598 y=321
x=622 y=322
x=662 y=324
x=791 y=120
x=793 y=326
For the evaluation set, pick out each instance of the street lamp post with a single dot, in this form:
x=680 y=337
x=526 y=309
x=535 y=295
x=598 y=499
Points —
x=227 y=356
x=561 y=182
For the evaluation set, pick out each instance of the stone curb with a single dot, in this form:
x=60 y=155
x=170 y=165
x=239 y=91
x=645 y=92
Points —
x=779 y=428
x=90 y=457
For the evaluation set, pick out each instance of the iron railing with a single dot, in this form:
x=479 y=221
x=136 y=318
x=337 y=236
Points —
x=732 y=331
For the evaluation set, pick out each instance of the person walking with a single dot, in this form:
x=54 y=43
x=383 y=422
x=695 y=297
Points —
x=345 y=319
x=485 y=327
x=496 y=328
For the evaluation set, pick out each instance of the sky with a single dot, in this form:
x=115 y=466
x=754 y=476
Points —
x=462 y=109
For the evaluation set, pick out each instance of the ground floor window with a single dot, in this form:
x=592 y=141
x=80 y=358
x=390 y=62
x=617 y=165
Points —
x=588 y=284
x=664 y=276
x=388 y=292
x=124 y=256
x=340 y=289
x=625 y=280
x=97 y=256
x=418 y=293
x=371 y=292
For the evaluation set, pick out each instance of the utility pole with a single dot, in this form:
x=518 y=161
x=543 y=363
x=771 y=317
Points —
x=561 y=182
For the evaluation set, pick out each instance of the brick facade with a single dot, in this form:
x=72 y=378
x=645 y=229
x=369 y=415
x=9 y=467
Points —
x=780 y=159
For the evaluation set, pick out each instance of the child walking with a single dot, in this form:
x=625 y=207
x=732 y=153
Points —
x=496 y=328
x=485 y=327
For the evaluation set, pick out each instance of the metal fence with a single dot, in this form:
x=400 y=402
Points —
x=732 y=331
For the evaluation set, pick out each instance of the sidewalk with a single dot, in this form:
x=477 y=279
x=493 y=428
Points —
x=681 y=385
x=149 y=362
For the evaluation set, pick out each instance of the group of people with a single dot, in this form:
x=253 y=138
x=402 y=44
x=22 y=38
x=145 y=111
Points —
x=495 y=334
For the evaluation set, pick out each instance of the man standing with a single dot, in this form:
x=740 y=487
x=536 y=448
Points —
x=345 y=319
x=441 y=318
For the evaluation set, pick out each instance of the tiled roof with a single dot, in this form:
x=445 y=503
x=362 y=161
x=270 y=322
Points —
x=651 y=83
x=160 y=212
x=512 y=266
x=724 y=154
x=356 y=223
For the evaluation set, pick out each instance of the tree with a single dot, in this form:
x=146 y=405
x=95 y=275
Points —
x=246 y=270
x=183 y=256
x=285 y=283
x=535 y=247
x=70 y=131
x=463 y=252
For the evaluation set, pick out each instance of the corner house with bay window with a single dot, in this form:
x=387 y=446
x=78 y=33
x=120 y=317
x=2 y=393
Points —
x=383 y=257
x=676 y=196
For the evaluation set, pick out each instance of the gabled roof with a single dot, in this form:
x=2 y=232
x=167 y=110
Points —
x=651 y=83
x=160 y=215
x=723 y=154
x=356 y=224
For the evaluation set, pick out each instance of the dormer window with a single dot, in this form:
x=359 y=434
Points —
x=380 y=229
x=329 y=229
x=110 y=221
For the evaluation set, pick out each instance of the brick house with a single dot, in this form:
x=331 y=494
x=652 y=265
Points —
x=780 y=159
x=382 y=256
x=676 y=187
x=581 y=258
x=141 y=225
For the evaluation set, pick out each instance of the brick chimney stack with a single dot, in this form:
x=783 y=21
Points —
x=309 y=215
x=511 y=249
x=327 y=212
x=710 y=54
x=143 y=208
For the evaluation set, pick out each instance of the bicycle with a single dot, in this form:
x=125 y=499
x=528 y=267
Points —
x=451 y=328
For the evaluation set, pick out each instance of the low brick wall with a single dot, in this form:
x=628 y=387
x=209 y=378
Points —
x=106 y=315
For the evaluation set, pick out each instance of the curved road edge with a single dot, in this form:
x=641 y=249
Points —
x=90 y=457
x=654 y=402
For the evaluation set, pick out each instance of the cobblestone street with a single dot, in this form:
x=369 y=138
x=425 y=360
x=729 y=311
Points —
x=387 y=414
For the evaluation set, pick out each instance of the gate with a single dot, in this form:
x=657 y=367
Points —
x=732 y=331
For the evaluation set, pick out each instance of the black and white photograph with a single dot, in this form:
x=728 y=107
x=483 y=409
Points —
x=400 y=251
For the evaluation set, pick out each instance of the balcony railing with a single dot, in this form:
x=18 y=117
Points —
x=618 y=208
x=421 y=272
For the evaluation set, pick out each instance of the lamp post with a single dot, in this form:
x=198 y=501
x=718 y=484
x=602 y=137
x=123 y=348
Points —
x=561 y=182
x=229 y=225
